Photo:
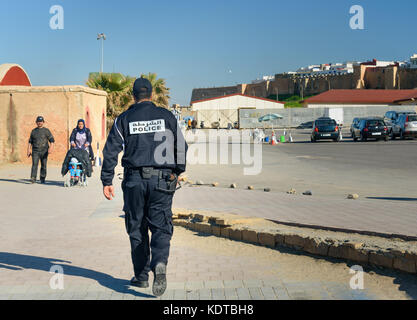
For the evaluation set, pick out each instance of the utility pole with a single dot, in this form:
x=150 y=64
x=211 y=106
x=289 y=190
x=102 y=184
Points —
x=102 y=36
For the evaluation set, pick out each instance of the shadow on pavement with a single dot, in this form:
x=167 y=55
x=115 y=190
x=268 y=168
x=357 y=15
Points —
x=18 y=262
x=27 y=181
x=392 y=198
x=321 y=141
x=22 y=181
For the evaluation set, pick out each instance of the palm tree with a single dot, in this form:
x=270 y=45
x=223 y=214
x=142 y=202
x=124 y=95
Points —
x=118 y=88
x=160 y=91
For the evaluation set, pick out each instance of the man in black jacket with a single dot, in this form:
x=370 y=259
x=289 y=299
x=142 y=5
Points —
x=154 y=157
x=41 y=144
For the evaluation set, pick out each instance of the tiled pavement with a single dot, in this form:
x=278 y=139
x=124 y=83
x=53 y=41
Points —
x=49 y=225
x=386 y=217
x=268 y=291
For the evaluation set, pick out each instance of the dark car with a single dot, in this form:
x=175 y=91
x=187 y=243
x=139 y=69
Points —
x=371 y=128
x=355 y=124
x=392 y=116
x=306 y=125
x=325 y=129
x=405 y=126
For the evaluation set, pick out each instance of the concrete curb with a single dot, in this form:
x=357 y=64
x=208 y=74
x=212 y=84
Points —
x=391 y=258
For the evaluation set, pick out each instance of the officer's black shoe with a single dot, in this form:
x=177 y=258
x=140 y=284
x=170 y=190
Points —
x=32 y=181
x=160 y=279
x=138 y=283
x=42 y=181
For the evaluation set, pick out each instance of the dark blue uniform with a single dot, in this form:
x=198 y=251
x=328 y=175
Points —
x=154 y=149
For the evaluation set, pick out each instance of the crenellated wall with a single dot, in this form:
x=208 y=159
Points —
x=363 y=77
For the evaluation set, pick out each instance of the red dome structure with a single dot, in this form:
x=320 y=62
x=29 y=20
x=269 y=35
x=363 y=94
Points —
x=13 y=75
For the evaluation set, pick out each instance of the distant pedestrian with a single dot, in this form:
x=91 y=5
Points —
x=41 y=144
x=81 y=138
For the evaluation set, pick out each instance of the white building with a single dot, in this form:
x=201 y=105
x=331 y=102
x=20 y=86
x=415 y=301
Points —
x=235 y=102
x=225 y=109
x=413 y=62
x=326 y=69
x=264 y=79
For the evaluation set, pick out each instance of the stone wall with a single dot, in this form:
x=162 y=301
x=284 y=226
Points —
x=207 y=93
x=60 y=106
x=363 y=77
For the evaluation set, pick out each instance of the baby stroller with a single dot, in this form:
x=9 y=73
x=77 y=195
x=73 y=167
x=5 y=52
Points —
x=76 y=174
x=78 y=164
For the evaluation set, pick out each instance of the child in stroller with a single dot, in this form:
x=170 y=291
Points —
x=76 y=172
x=78 y=165
x=77 y=175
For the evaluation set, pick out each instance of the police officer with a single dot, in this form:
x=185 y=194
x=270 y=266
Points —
x=154 y=157
x=41 y=144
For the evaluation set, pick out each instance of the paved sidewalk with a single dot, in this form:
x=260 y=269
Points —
x=47 y=225
x=379 y=216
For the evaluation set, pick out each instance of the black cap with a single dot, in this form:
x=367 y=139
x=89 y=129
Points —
x=40 y=119
x=140 y=84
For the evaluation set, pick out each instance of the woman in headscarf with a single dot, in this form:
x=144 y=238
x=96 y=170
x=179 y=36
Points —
x=81 y=138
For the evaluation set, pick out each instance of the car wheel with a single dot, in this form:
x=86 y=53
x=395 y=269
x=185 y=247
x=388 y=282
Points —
x=362 y=137
x=392 y=135
x=354 y=137
x=402 y=137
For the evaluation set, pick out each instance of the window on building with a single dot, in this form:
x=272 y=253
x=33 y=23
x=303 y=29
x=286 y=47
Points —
x=87 y=118
x=103 y=125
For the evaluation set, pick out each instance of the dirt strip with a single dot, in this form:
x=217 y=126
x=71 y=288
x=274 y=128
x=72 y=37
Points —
x=392 y=253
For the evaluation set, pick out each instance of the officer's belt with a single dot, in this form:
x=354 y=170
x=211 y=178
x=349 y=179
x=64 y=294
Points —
x=148 y=172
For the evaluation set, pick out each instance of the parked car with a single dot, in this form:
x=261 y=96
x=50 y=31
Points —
x=392 y=116
x=370 y=128
x=405 y=126
x=325 y=129
x=355 y=124
x=306 y=125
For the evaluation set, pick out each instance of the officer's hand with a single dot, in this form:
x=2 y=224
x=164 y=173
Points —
x=108 y=192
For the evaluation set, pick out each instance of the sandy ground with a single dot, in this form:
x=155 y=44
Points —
x=295 y=267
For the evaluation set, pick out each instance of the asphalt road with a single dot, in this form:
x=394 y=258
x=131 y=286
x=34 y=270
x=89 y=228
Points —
x=374 y=170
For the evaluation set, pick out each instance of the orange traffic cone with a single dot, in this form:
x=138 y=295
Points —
x=273 y=139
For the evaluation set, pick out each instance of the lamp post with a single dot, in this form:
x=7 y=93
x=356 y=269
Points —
x=102 y=36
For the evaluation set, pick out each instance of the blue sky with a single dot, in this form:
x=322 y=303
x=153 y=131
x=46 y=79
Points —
x=194 y=44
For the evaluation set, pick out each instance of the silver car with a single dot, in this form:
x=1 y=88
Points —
x=405 y=126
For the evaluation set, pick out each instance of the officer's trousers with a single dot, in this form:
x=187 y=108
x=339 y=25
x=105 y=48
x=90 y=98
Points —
x=37 y=156
x=147 y=209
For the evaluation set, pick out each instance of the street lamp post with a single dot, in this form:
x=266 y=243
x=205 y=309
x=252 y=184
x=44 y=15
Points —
x=102 y=36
